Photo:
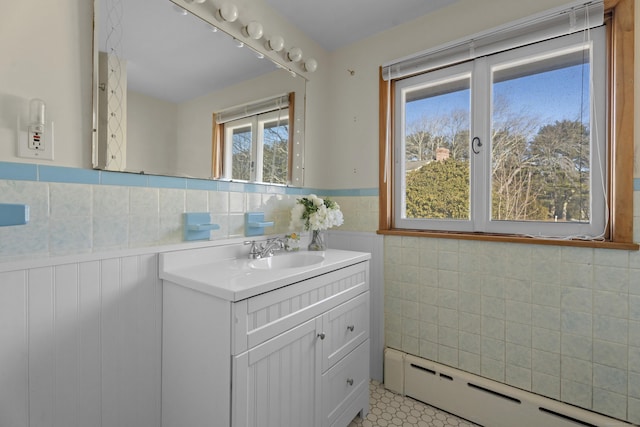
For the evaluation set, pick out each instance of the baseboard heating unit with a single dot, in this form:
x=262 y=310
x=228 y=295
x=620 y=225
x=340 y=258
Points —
x=480 y=400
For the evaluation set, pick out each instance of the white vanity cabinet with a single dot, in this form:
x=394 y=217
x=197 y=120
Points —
x=296 y=355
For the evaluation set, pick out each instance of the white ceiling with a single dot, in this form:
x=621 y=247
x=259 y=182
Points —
x=337 y=23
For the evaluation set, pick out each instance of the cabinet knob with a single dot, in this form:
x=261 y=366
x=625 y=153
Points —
x=350 y=328
x=321 y=335
x=350 y=381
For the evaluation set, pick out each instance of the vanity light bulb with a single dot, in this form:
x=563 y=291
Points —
x=276 y=43
x=294 y=54
x=228 y=12
x=311 y=65
x=180 y=10
x=254 y=30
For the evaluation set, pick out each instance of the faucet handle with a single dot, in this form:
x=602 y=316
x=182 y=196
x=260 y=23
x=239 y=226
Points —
x=254 y=252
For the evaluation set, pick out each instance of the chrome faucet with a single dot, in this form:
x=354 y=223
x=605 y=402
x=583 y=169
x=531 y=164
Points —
x=265 y=249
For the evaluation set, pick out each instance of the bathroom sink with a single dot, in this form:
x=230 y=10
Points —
x=289 y=260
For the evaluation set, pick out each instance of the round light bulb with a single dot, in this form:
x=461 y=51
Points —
x=294 y=54
x=311 y=65
x=228 y=12
x=254 y=30
x=276 y=43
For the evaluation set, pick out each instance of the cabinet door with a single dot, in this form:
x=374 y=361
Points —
x=345 y=327
x=277 y=384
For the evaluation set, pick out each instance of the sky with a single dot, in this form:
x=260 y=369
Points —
x=553 y=95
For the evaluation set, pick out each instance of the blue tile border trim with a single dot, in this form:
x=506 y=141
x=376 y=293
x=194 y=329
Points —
x=46 y=173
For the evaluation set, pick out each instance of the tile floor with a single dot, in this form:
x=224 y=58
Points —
x=388 y=409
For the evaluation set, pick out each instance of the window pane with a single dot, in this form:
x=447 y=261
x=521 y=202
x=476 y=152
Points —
x=241 y=154
x=436 y=150
x=540 y=140
x=275 y=154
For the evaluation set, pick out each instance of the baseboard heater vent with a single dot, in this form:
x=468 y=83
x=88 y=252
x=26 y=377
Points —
x=480 y=400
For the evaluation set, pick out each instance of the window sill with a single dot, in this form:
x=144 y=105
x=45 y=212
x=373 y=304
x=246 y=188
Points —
x=629 y=246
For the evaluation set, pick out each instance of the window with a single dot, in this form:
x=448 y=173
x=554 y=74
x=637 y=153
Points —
x=258 y=148
x=508 y=143
x=486 y=178
x=253 y=142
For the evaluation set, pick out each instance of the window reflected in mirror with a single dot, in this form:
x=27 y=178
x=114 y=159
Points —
x=254 y=142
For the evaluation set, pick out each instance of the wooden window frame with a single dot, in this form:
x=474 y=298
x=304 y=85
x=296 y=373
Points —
x=620 y=43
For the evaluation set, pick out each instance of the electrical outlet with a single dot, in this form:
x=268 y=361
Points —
x=35 y=141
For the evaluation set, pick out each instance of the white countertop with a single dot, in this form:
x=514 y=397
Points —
x=233 y=279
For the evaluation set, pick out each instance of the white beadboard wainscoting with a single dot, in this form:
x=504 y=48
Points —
x=80 y=336
x=80 y=342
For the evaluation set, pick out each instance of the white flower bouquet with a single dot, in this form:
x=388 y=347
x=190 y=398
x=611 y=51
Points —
x=313 y=213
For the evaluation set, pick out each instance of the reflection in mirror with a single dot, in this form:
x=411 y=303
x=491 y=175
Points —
x=254 y=140
x=162 y=74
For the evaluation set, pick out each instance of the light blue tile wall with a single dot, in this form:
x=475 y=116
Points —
x=79 y=210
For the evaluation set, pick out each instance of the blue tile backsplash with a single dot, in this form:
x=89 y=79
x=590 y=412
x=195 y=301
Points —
x=80 y=210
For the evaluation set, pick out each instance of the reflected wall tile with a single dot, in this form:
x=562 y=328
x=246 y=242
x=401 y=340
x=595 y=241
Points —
x=429 y=331
x=517 y=311
x=493 y=328
x=634 y=306
x=470 y=322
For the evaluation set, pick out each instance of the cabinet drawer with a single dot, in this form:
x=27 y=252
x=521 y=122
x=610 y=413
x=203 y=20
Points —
x=345 y=382
x=345 y=327
x=260 y=318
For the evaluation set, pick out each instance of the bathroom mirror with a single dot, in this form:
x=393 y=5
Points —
x=161 y=76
